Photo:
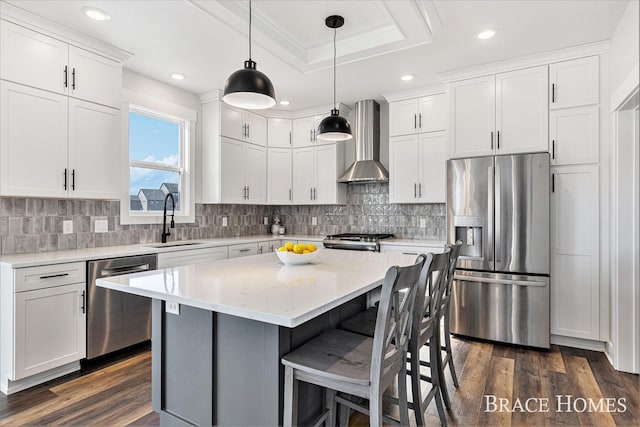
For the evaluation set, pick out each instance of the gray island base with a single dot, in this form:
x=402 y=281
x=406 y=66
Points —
x=210 y=368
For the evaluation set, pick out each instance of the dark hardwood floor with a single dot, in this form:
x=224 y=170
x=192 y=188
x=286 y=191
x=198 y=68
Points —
x=118 y=393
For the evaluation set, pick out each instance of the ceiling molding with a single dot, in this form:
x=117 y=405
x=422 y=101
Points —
x=415 y=92
x=25 y=18
x=559 y=55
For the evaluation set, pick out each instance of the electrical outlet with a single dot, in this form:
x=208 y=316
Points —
x=314 y=220
x=101 y=226
x=172 y=308
x=67 y=227
x=266 y=220
x=423 y=223
x=225 y=221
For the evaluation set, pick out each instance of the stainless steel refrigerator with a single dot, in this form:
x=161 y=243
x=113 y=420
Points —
x=499 y=207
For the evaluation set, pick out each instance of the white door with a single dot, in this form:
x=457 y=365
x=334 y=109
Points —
x=326 y=187
x=256 y=128
x=432 y=116
x=232 y=186
x=521 y=111
x=302 y=132
x=255 y=173
x=575 y=135
x=304 y=175
x=94 y=78
x=472 y=113
x=573 y=83
x=49 y=328
x=404 y=169
x=279 y=133
x=94 y=157
x=433 y=168
x=279 y=176
x=574 y=252
x=32 y=58
x=231 y=122
x=403 y=117
x=33 y=141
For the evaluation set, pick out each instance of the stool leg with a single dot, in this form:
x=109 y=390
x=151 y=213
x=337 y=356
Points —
x=402 y=396
x=434 y=351
x=416 y=390
x=438 y=363
x=290 y=417
x=375 y=409
x=447 y=341
x=330 y=403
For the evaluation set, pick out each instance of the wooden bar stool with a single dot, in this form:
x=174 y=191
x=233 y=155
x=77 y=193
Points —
x=357 y=365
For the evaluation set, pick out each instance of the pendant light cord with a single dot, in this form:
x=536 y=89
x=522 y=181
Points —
x=334 y=67
x=249 y=30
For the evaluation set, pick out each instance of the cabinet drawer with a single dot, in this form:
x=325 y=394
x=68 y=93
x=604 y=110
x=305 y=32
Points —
x=237 y=251
x=48 y=276
x=191 y=256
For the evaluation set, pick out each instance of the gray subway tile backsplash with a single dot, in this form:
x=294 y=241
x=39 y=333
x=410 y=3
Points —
x=35 y=225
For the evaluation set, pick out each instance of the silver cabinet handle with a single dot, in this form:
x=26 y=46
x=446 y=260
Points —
x=51 y=276
x=248 y=194
x=83 y=308
x=492 y=140
x=415 y=190
x=553 y=93
x=498 y=139
x=248 y=130
x=420 y=120
x=310 y=193
x=415 y=121
x=290 y=138
x=289 y=194
x=310 y=135
x=553 y=149
x=315 y=193
x=244 y=130
x=66 y=76
x=73 y=79
x=244 y=250
x=261 y=249
x=419 y=190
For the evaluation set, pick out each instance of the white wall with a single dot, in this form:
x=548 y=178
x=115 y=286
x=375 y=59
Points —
x=624 y=46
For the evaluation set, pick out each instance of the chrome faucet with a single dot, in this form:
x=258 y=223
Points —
x=165 y=230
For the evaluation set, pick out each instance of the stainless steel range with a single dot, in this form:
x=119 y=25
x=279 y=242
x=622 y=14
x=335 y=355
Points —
x=355 y=241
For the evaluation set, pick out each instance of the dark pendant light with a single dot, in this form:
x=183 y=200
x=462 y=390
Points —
x=249 y=88
x=334 y=127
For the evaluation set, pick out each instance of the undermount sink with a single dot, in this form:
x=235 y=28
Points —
x=171 y=245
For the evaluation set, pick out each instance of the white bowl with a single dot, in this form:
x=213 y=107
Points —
x=290 y=258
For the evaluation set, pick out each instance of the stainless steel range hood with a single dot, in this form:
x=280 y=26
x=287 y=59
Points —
x=367 y=167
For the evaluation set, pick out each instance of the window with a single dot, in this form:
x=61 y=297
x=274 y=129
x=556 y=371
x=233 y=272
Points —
x=160 y=158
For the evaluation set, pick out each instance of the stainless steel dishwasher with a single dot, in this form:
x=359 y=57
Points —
x=116 y=320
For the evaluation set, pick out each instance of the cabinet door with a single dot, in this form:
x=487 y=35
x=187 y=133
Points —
x=268 y=247
x=574 y=252
x=94 y=161
x=573 y=83
x=232 y=185
x=302 y=132
x=247 y=249
x=231 y=122
x=94 y=78
x=575 y=135
x=256 y=128
x=32 y=58
x=326 y=174
x=304 y=175
x=521 y=111
x=255 y=173
x=316 y=123
x=404 y=169
x=49 y=329
x=33 y=141
x=472 y=113
x=279 y=175
x=403 y=117
x=279 y=133
x=433 y=168
x=432 y=116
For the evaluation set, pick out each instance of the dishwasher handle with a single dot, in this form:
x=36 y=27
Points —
x=107 y=272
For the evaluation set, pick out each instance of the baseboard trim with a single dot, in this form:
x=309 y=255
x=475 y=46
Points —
x=581 y=343
x=609 y=352
x=11 y=387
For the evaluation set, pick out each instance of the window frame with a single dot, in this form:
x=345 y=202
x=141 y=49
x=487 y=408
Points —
x=162 y=110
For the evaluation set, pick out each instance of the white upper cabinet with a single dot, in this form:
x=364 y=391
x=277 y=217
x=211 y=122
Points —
x=574 y=83
x=472 y=117
x=243 y=125
x=243 y=172
x=433 y=173
x=426 y=114
x=305 y=131
x=502 y=114
x=255 y=173
x=279 y=132
x=521 y=111
x=304 y=175
x=94 y=78
x=574 y=134
x=279 y=176
x=315 y=174
x=33 y=59
x=94 y=161
x=33 y=157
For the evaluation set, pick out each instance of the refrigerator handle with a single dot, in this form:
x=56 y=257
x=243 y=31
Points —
x=465 y=278
x=488 y=249
x=497 y=241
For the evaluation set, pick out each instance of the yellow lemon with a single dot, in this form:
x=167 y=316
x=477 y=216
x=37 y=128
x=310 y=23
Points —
x=306 y=251
x=303 y=246
x=298 y=249
x=282 y=249
x=311 y=247
x=289 y=246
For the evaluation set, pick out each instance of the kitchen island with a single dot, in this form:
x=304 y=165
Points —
x=218 y=360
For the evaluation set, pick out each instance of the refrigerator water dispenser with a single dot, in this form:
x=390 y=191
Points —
x=469 y=230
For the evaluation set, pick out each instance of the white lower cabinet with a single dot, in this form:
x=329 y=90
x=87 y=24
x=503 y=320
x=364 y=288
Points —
x=575 y=257
x=268 y=246
x=245 y=249
x=191 y=256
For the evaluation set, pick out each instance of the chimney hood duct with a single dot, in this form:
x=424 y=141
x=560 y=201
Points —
x=367 y=167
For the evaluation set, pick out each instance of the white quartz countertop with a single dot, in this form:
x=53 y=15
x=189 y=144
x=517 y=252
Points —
x=261 y=288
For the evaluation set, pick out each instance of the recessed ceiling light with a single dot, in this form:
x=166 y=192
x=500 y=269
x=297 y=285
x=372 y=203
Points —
x=487 y=34
x=406 y=77
x=177 y=76
x=95 y=13
x=284 y=102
